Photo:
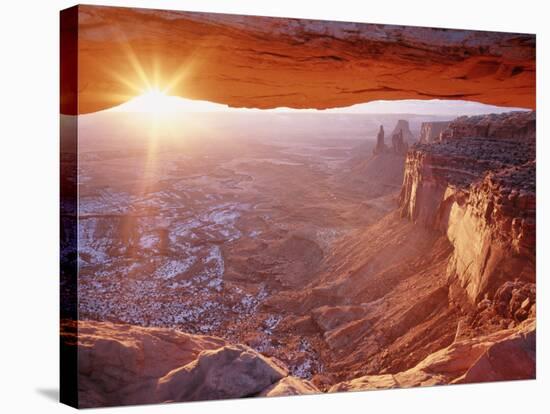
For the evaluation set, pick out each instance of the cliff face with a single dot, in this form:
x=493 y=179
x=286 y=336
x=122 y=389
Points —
x=403 y=127
x=480 y=191
x=430 y=131
x=509 y=126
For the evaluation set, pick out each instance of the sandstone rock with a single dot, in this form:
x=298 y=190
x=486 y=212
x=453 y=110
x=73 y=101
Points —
x=368 y=382
x=480 y=192
x=504 y=355
x=399 y=146
x=244 y=60
x=330 y=317
x=513 y=300
x=117 y=360
x=403 y=126
x=121 y=364
x=380 y=147
x=431 y=131
x=512 y=125
x=232 y=371
x=290 y=386
x=513 y=358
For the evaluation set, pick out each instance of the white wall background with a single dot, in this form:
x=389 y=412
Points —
x=29 y=193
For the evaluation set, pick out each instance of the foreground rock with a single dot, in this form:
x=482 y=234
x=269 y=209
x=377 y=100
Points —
x=232 y=371
x=330 y=65
x=504 y=355
x=122 y=364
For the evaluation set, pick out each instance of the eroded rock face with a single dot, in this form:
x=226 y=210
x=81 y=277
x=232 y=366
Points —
x=380 y=147
x=399 y=146
x=121 y=364
x=403 y=127
x=509 y=126
x=431 y=131
x=504 y=355
x=480 y=191
x=265 y=62
x=232 y=371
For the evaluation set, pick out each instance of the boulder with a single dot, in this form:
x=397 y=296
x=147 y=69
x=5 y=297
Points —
x=232 y=371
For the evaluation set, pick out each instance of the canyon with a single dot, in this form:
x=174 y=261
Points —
x=254 y=267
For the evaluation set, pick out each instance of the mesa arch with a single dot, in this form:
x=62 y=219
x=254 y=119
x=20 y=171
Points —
x=261 y=62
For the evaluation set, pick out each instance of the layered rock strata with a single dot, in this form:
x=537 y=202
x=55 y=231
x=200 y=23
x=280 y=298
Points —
x=431 y=131
x=403 y=127
x=501 y=356
x=399 y=145
x=271 y=62
x=517 y=125
x=480 y=191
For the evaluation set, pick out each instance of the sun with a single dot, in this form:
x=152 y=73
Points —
x=153 y=101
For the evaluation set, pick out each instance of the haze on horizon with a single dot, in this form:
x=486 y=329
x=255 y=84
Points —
x=156 y=101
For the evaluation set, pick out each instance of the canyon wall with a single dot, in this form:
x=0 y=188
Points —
x=403 y=127
x=509 y=126
x=478 y=187
x=430 y=131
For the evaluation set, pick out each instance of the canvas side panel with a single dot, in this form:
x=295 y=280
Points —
x=68 y=205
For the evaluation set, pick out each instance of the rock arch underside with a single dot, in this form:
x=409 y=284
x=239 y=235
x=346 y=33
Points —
x=262 y=62
x=410 y=263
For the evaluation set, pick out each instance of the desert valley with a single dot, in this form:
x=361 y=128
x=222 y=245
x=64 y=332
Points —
x=261 y=206
x=311 y=262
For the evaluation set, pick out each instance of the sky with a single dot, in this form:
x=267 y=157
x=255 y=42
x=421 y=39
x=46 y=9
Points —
x=156 y=101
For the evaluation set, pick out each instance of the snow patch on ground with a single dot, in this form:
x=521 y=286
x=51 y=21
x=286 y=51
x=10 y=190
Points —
x=173 y=268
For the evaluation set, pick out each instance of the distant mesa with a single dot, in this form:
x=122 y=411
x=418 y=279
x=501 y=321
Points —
x=431 y=131
x=403 y=126
x=399 y=146
x=516 y=125
x=400 y=137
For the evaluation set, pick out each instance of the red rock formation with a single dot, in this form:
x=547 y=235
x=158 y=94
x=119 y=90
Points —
x=266 y=62
x=122 y=364
x=380 y=147
x=512 y=125
x=431 y=131
x=481 y=193
x=403 y=126
x=399 y=146
x=504 y=355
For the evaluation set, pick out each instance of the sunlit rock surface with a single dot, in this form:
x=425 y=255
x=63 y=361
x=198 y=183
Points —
x=265 y=62
x=122 y=364
x=478 y=187
x=504 y=355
